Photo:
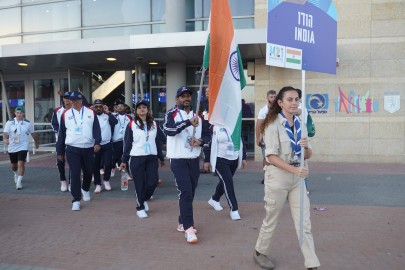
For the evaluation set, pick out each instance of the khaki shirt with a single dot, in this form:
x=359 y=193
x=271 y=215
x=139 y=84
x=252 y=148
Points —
x=277 y=141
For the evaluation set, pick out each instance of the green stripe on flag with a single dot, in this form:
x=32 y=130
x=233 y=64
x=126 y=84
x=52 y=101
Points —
x=293 y=61
x=236 y=134
x=206 y=58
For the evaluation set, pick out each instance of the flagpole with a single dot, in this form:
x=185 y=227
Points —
x=203 y=69
x=302 y=180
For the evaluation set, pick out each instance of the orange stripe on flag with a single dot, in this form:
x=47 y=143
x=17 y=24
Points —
x=221 y=35
x=293 y=52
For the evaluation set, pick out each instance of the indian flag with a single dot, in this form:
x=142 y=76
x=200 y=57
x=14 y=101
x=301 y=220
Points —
x=226 y=76
x=293 y=58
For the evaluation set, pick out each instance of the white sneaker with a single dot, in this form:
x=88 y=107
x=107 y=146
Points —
x=86 y=195
x=141 y=214
x=112 y=172
x=190 y=235
x=76 y=206
x=97 y=190
x=235 y=215
x=69 y=188
x=18 y=185
x=216 y=205
x=180 y=228
x=63 y=186
x=145 y=204
x=15 y=178
x=101 y=171
x=107 y=185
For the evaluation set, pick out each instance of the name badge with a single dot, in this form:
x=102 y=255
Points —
x=229 y=149
x=78 y=131
x=16 y=138
x=187 y=144
x=146 y=146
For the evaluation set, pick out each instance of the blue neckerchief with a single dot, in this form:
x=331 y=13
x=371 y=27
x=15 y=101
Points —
x=295 y=143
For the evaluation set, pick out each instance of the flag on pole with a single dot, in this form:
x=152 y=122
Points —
x=226 y=76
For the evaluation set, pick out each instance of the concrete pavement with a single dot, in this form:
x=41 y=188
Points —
x=363 y=227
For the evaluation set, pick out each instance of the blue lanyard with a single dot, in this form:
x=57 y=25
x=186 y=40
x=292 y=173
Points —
x=145 y=128
x=74 y=118
x=125 y=119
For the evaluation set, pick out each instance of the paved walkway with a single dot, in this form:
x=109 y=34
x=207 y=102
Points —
x=362 y=228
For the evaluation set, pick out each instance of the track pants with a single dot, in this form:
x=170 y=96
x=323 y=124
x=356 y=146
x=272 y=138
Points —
x=118 y=148
x=225 y=170
x=186 y=172
x=80 y=159
x=103 y=159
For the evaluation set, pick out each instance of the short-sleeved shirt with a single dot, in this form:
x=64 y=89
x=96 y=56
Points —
x=21 y=129
x=277 y=140
x=263 y=112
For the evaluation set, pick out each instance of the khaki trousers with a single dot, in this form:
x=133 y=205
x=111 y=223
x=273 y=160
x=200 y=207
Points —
x=282 y=186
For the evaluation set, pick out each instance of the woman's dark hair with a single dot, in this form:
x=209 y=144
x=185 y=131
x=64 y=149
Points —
x=275 y=109
x=149 y=120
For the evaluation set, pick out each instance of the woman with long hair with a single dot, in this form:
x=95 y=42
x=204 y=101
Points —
x=141 y=151
x=283 y=138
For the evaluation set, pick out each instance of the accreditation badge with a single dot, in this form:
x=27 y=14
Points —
x=78 y=130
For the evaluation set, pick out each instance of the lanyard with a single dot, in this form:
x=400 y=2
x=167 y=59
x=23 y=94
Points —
x=74 y=118
x=18 y=130
x=182 y=119
x=145 y=128
x=295 y=142
x=125 y=119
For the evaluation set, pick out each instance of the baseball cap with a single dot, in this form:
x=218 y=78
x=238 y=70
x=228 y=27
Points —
x=182 y=90
x=98 y=101
x=144 y=102
x=21 y=109
x=75 y=95
x=67 y=94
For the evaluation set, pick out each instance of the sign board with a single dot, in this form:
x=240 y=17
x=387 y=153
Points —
x=302 y=34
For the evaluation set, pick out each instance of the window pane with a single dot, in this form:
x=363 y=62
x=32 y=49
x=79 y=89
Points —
x=158 y=10
x=5 y=3
x=117 y=31
x=103 y=12
x=15 y=94
x=193 y=76
x=44 y=100
x=242 y=8
x=53 y=16
x=158 y=77
x=10 y=21
x=158 y=28
x=247 y=23
x=158 y=102
x=206 y=8
x=52 y=37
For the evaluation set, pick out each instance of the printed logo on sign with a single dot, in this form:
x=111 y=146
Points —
x=392 y=101
x=275 y=55
x=317 y=103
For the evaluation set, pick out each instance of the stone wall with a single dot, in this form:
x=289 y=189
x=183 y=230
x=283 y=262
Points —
x=371 y=52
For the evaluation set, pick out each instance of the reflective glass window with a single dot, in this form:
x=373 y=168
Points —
x=44 y=100
x=158 y=28
x=5 y=3
x=117 y=31
x=55 y=16
x=158 y=10
x=103 y=12
x=158 y=101
x=52 y=37
x=158 y=77
x=10 y=21
x=15 y=94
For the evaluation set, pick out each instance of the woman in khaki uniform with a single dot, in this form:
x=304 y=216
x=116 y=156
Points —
x=283 y=139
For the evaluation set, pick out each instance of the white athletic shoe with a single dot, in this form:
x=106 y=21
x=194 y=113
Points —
x=76 y=206
x=216 y=205
x=112 y=172
x=145 y=204
x=97 y=190
x=15 y=178
x=141 y=214
x=107 y=185
x=63 y=186
x=86 y=195
x=18 y=185
x=235 y=215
